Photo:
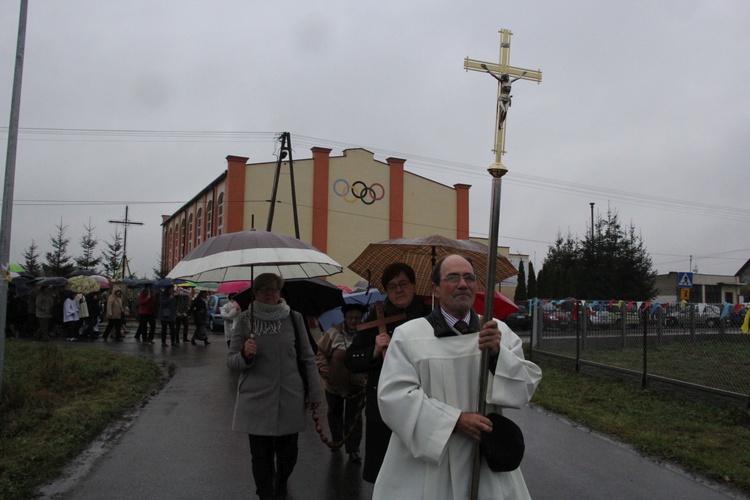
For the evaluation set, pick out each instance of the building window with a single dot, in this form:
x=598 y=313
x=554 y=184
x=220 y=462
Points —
x=209 y=218
x=199 y=226
x=713 y=294
x=170 y=263
x=190 y=233
x=175 y=244
x=182 y=239
x=220 y=215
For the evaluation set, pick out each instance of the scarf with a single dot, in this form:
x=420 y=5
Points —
x=267 y=317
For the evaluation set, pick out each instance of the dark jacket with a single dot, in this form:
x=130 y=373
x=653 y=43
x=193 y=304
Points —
x=198 y=309
x=167 y=307
x=359 y=355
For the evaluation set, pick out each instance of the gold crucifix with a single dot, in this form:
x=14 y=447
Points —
x=505 y=74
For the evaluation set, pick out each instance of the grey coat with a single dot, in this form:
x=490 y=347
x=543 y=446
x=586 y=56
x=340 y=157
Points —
x=270 y=395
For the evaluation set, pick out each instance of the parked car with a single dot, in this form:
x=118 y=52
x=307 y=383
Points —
x=707 y=315
x=553 y=318
x=600 y=319
x=631 y=316
x=519 y=320
x=214 y=322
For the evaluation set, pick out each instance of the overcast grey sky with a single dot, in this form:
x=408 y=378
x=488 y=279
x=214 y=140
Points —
x=643 y=108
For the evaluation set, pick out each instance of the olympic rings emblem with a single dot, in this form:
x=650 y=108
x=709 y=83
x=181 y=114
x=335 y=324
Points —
x=358 y=191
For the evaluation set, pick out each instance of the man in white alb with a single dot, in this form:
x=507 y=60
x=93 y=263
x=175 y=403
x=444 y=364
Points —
x=428 y=395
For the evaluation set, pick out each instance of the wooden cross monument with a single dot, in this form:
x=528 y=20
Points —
x=503 y=72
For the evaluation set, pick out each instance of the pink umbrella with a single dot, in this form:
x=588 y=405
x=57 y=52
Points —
x=233 y=286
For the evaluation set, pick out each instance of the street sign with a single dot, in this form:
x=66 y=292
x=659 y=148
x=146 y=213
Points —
x=684 y=280
x=685 y=294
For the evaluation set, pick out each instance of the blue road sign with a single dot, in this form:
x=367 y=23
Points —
x=684 y=280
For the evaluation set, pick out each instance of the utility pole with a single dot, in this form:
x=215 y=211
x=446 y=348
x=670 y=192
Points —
x=125 y=222
x=10 y=177
x=284 y=151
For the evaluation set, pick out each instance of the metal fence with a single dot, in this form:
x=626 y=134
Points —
x=690 y=349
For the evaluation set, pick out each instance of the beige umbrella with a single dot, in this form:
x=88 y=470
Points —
x=82 y=284
x=422 y=254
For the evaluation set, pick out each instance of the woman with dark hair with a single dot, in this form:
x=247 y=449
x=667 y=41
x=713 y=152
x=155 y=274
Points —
x=278 y=380
x=368 y=349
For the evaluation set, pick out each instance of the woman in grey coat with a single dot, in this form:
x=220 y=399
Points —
x=271 y=398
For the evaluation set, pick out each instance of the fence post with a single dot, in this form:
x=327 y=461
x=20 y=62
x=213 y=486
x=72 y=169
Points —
x=578 y=336
x=644 y=380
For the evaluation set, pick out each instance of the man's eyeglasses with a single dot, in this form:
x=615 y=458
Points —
x=265 y=290
x=392 y=287
x=455 y=278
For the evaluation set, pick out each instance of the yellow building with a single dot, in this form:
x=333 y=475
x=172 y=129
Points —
x=343 y=203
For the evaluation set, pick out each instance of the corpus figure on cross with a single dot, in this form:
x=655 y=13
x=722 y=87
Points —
x=504 y=100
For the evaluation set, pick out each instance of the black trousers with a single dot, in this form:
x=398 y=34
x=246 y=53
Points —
x=182 y=321
x=172 y=336
x=146 y=327
x=376 y=444
x=342 y=413
x=273 y=459
x=115 y=324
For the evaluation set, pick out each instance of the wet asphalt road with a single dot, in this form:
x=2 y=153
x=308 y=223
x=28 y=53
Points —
x=180 y=446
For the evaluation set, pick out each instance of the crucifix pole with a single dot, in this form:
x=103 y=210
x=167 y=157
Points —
x=125 y=222
x=502 y=72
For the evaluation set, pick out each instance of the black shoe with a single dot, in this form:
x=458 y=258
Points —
x=164 y=344
x=206 y=342
x=192 y=341
x=355 y=458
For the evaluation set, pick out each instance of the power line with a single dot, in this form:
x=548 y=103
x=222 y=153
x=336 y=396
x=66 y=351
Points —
x=422 y=162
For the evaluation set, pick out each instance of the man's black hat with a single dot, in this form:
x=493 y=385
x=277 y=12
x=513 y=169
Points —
x=503 y=447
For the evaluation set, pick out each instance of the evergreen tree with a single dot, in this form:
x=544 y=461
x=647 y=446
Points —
x=521 y=294
x=532 y=285
x=159 y=271
x=88 y=245
x=541 y=291
x=31 y=260
x=58 y=261
x=612 y=264
x=112 y=256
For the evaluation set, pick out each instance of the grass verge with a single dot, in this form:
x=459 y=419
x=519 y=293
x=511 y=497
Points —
x=56 y=401
x=707 y=440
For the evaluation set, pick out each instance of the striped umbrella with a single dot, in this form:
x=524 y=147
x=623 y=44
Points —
x=240 y=256
x=422 y=254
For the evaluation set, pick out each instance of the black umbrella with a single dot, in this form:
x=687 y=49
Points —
x=81 y=272
x=55 y=281
x=308 y=296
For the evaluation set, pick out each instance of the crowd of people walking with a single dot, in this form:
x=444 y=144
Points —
x=47 y=312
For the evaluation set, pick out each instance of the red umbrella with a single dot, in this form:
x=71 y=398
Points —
x=233 y=286
x=501 y=307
